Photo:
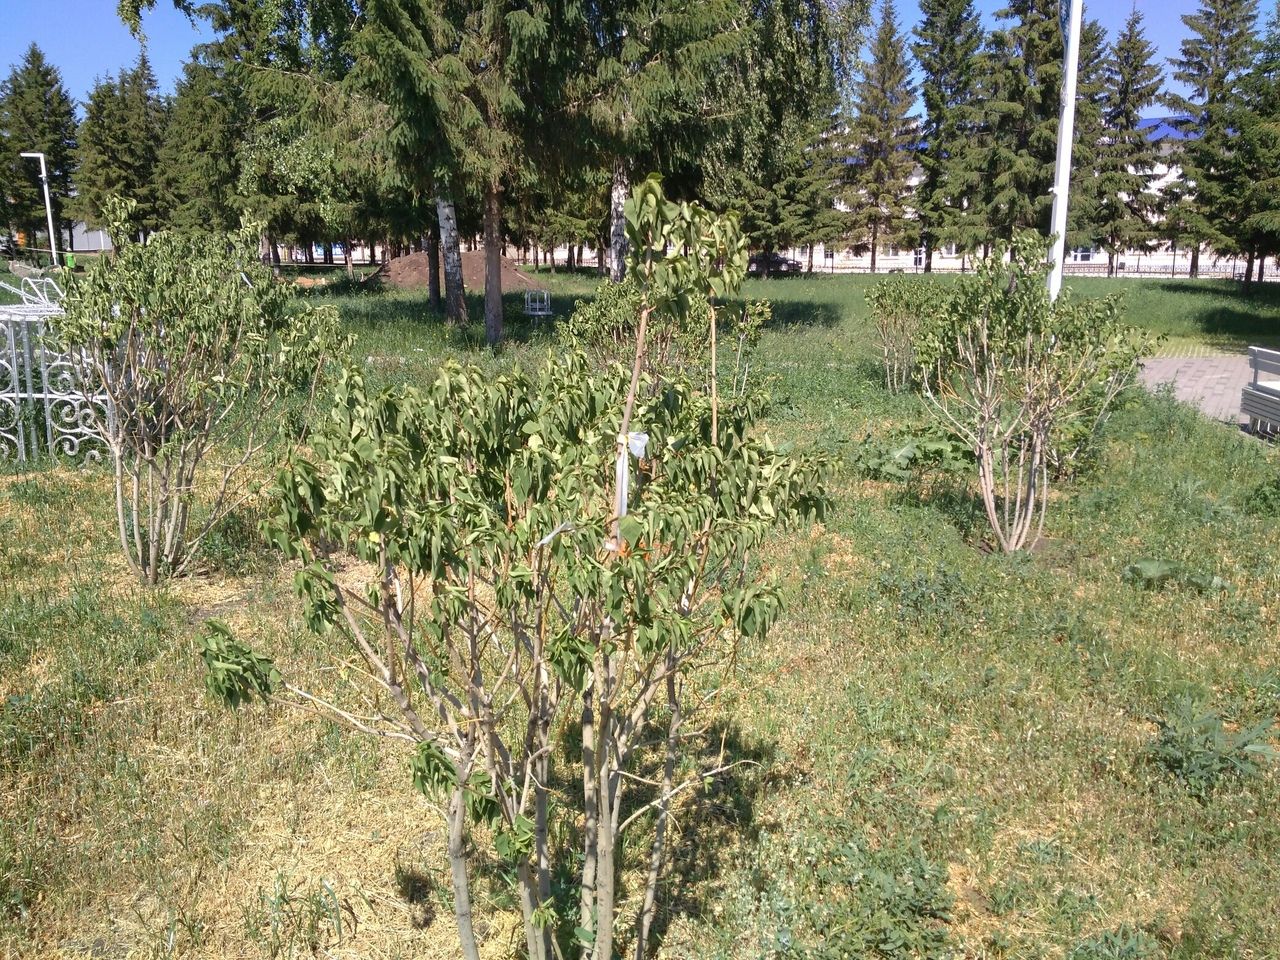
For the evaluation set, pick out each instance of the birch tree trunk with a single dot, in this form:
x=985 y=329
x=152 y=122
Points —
x=492 y=266
x=617 y=225
x=455 y=304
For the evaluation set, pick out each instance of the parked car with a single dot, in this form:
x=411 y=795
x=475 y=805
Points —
x=776 y=261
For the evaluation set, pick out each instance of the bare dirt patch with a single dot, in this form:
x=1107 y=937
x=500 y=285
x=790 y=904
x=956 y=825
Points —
x=411 y=272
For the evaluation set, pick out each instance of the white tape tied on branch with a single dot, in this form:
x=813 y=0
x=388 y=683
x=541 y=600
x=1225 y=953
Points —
x=633 y=444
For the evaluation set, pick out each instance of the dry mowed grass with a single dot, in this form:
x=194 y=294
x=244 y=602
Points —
x=974 y=730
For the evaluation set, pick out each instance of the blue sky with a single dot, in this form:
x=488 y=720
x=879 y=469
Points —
x=86 y=40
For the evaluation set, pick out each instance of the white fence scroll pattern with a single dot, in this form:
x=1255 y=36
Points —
x=42 y=407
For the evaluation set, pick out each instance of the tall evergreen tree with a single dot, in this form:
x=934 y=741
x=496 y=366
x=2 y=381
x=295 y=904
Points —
x=1084 y=208
x=198 y=159
x=119 y=147
x=1022 y=72
x=1211 y=63
x=457 y=80
x=645 y=88
x=776 y=164
x=1128 y=208
x=1256 y=122
x=948 y=40
x=36 y=115
x=882 y=136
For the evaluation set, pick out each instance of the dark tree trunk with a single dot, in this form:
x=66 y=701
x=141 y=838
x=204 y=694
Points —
x=1194 y=270
x=1111 y=263
x=328 y=252
x=875 y=237
x=578 y=260
x=1248 y=270
x=1262 y=262
x=308 y=254
x=928 y=254
x=809 y=265
x=346 y=257
x=492 y=266
x=433 y=267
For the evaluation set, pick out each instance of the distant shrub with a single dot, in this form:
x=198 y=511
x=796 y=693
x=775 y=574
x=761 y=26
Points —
x=195 y=347
x=898 y=309
x=1197 y=749
x=1025 y=380
x=604 y=328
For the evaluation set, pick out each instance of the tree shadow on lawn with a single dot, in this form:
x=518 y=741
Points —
x=803 y=313
x=1233 y=317
x=708 y=830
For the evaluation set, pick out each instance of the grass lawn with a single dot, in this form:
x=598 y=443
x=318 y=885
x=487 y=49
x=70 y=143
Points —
x=952 y=750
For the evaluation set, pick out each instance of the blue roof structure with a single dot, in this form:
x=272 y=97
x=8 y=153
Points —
x=1165 y=128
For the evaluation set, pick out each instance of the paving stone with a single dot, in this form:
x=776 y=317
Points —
x=1212 y=384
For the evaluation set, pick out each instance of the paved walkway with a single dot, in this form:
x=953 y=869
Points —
x=1211 y=383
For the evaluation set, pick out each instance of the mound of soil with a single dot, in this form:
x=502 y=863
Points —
x=411 y=272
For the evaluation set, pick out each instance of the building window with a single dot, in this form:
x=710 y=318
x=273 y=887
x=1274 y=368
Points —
x=917 y=258
x=948 y=249
x=1082 y=254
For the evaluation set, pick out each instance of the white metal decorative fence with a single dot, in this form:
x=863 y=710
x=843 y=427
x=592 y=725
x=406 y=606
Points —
x=43 y=409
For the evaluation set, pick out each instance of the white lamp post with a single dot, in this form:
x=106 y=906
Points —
x=1066 y=132
x=48 y=206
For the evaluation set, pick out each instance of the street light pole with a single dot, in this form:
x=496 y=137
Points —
x=1066 y=132
x=48 y=205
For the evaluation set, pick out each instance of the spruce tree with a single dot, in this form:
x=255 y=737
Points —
x=457 y=80
x=1084 y=208
x=198 y=159
x=882 y=136
x=1212 y=62
x=36 y=115
x=775 y=164
x=1256 y=121
x=645 y=90
x=948 y=40
x=1022 y=80
x=1127 y=210
x=119 y=147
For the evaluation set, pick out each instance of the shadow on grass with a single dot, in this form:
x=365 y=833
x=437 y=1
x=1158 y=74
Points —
x=723 y=816
x=1226 y=311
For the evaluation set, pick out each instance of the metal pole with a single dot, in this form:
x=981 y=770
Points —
x=1066 y=132
x=48 y=205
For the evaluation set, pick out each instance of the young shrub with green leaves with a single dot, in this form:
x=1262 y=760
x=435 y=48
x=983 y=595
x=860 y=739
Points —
x=195 y=348
x=545 y=565
x=1016 y=374
x=899 y=305
x=604 y=328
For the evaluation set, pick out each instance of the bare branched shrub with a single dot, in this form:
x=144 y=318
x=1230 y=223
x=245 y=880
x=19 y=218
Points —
x=899 y=306
x=1015 y=375
x=199 y=353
